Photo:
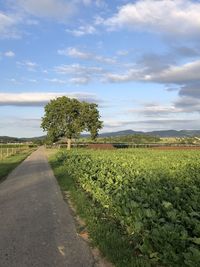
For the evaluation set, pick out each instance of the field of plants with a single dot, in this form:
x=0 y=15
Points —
x=154 y=196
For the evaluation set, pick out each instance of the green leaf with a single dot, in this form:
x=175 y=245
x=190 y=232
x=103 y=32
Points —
x=195 y=240
x=167 y=204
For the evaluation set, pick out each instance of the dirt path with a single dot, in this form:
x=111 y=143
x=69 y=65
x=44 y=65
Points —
x=36 y=227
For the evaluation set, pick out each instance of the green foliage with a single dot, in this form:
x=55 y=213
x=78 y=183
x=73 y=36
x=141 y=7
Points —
x=153 y=195
x=65 y=117
x=8 y=164
x=135 y=139
x=103 y=230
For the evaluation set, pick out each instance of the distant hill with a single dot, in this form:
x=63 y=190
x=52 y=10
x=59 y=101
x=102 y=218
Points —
x=168 y=133
x=174 y=133
x=120 y=133
x=8 y=139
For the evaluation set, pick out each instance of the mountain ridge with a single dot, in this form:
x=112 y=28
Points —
x=162 y=133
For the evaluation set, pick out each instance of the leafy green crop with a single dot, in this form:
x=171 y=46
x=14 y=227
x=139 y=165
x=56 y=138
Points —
x=153 y=195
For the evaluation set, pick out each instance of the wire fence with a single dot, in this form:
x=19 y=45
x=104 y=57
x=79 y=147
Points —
x=9 y=150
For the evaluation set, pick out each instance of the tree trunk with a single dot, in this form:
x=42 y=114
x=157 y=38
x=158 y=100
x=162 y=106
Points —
x=69 y=141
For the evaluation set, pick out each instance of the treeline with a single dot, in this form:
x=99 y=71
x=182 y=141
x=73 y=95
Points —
x=136 y=139
x=34 y=140
x=7 y=139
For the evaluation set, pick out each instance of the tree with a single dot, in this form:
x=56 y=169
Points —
x=65 y=117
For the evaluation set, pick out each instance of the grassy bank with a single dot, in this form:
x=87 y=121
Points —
x=10 y=163
x=108 y=236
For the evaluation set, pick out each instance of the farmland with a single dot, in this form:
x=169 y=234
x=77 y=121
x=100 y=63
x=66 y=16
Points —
x=152 y=196
x=10 y=156
x=6 y=150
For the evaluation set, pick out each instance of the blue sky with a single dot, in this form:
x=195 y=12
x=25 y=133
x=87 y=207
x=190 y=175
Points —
x=139 y=60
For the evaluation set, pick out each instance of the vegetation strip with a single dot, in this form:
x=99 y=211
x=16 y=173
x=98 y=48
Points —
x=108 y=236
x=10 y=163
x=145 y=201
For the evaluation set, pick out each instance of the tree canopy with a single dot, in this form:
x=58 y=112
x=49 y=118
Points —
x=66 y=117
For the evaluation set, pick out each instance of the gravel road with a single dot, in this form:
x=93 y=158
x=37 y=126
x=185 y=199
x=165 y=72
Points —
x=36 y=226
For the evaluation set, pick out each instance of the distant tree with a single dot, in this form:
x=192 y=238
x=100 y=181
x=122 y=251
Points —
x=65 y=117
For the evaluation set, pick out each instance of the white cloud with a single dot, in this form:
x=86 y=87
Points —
x=116 y=123
x=122 y=53
x=106 y=60
x=83 y=30
x=31 y=66
x=55 y=9
x=130 y=75
x=79 y=74
x=117 y=78
x=77 y=69
x=9 y=54
x=5 y=21
x=42 y=98
x=76 y=53
x=172 y=17
x=22 y=80
x=8 y=24
x=58 y=81
x=98 y=3
x=80 y=80
x=151 y=125
x=188 y=104
x=157 y=110
x=188 y=72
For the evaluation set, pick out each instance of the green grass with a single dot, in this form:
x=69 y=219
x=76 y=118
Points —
x=108 y=236
x=10 y=163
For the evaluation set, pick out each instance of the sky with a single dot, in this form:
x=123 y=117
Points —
x=138 y=60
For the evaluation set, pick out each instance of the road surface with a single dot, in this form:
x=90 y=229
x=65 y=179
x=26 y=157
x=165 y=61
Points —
x=36 y=227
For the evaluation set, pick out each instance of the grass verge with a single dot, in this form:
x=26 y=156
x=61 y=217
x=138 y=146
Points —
x=103 y=230
x=10 y=163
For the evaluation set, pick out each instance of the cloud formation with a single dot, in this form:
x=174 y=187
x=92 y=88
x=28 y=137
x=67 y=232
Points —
x=80 y=80
x=9 y=54
x=53 y=9
x=156 y=110
x=163 y=16
x=41 y=99
x=76 y=53
x=60 y=10
x=151 y=125
x=29 y=65
x=8 y=24
x=79 y=74
x=161 y=72
x=188 y=72
x=82 y=30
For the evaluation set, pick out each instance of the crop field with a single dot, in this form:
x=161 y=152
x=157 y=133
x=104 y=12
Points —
x=153 y=195
x=6 y=150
